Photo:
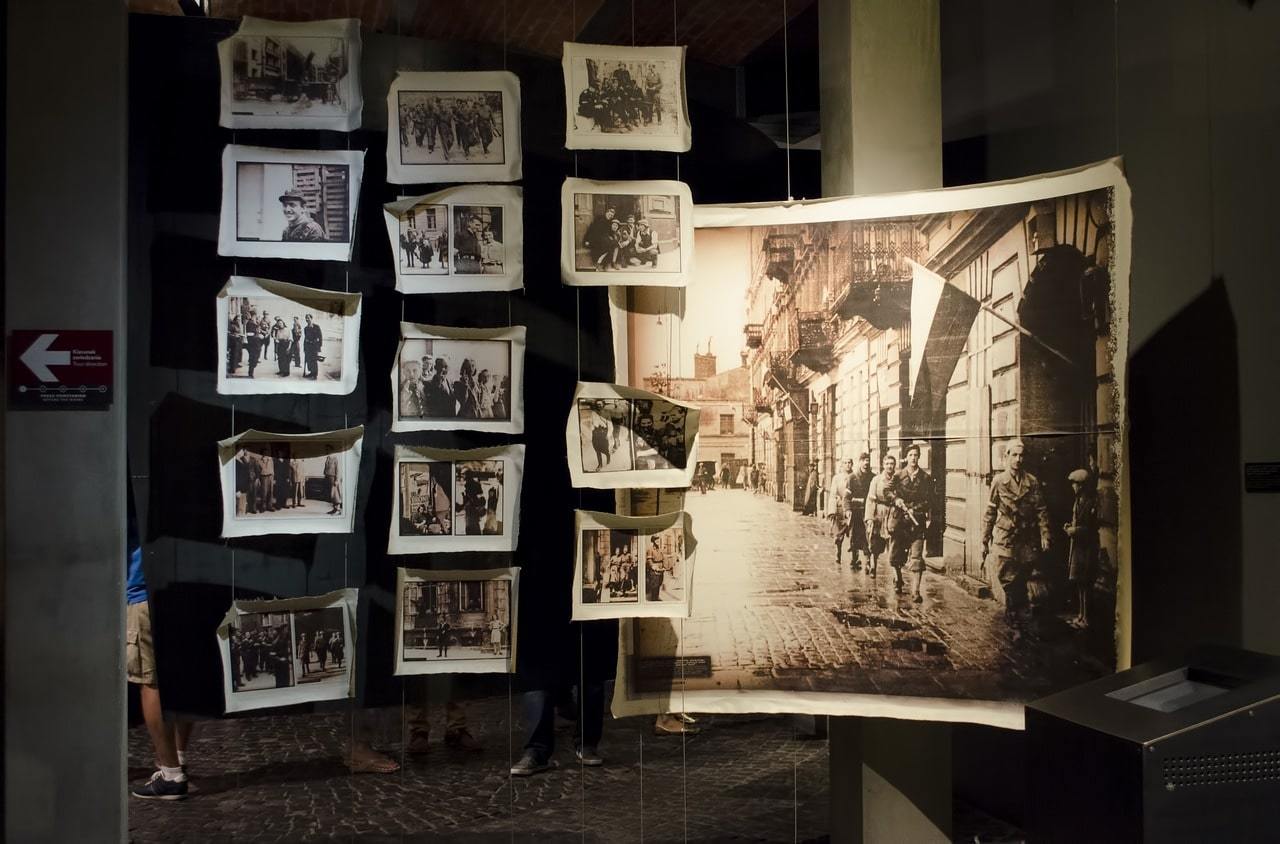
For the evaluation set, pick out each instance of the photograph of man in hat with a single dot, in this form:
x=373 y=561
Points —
x=915 y=501
x=298 y=223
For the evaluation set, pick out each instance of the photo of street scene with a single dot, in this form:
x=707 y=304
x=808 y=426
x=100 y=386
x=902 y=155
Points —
x=454 y=620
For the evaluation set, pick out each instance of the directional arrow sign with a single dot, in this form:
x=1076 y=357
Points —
x=38 y=357
x=56 y=369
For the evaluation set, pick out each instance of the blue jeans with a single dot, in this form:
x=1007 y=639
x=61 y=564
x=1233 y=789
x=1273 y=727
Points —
x=540 y=717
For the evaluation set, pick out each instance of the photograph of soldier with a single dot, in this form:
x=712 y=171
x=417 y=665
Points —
x=664 y=565
x=626 y=232
x=426 y=489
x=280 y=202
x=477 y=498
x=477 y=240
x=610 y=566
x=321 y=652
x=293 y=75
x=604 y=430
x=451 y=127
x=289 y=333
x=262 y=656
x=424 y=240
x=876 y=517
x=454 y=379
x=455 y=619
x=914 y=507
x=1015 y=531
x=846 y=501
x=280 y=480
x=658 y=430
x=625 y=97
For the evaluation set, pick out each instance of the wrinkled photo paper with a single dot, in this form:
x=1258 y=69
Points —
x=456 y=622
x=287 y=203
x=277 y=338
x=619 y=437
x=460 y=240
x=626 y=233
x=625 y=98
x=283 y=652
x=453 y=127
x=279 y=75
x=911 y=459
x=449 y=500
x=289 y=483
x=627 y=567
x=453 y=379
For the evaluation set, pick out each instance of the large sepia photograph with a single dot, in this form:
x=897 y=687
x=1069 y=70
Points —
x=289 y=483
x=463 y=239
x=276 y=338
x=279 y=75
x=453 y=127
x=920 y=395
x=282 y=652
x=632 y=567
x=620 y=437
x=280 y=203
x=449 y=500
x=448 y=379
x=619 y=233
x=625 y=98
x=456 y=622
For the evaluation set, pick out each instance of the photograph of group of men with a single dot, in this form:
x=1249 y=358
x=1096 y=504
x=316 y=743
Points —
x=625 y=97
x=476 y=248
x=444 y=498
x=622 y=435
x=455 y=379
x=626 y=232
x=293 y=203
x=455 y=619
x=277 y=650
x=295 y=341
x=451 y=127
x=288 y=479
x=628 y=567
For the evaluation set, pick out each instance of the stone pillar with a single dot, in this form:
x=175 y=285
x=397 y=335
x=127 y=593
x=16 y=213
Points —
x=881 y=104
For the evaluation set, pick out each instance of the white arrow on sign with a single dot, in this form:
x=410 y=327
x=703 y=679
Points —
x=38 y=358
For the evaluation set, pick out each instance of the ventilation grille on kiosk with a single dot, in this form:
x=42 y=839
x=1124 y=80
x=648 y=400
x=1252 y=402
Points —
x=1220 y=768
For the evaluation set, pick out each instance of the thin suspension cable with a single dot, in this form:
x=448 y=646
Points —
x=786 y=94
x=1115 y=43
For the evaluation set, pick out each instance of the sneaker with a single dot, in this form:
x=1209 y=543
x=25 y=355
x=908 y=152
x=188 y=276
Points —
x=589 y=756
x=462 y=739
x=529 y=765
x=159 y=788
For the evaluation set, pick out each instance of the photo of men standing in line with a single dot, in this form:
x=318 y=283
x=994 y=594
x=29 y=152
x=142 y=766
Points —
x=280 y=480
x=451 y=127
x=275 y=338
x=261 y=652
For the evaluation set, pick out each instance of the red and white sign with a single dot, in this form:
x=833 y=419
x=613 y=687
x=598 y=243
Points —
x=60 y=370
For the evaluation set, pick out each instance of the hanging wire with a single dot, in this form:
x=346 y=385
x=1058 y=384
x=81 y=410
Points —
x=786 y=94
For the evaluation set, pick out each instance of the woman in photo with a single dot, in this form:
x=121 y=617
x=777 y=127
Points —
x=492 y=525
x=466 y=391
x=484 y=398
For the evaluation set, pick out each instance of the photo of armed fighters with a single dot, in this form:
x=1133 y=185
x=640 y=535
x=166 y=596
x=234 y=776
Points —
x=451 y=127
x=626 y=97
x=282 y=340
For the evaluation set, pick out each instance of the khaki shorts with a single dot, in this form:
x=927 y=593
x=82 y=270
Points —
x=140 y=656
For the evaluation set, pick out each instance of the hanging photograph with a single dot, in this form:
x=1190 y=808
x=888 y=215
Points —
x=456 y=622
x=464 y=239
x=289 y=483
x=920 y=395
x=453 y=127
x=626 y=233
x=279 y=75
x=448 y=500
x=625 y=98
x=449 y=379
x=284 y=203
x=283 y=652
x=621 y=437
x=275 y=337
x=631 y=567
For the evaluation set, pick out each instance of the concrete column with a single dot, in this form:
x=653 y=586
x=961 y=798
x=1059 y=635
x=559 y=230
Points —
x=64 y=472
x=881 y=104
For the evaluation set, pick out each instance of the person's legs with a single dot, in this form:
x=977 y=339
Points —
x=590 y=725
x=539 y=719
x=361 y=758
x=163 y=734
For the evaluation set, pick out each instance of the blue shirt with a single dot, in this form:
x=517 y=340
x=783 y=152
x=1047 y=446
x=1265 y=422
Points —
x=136 y=585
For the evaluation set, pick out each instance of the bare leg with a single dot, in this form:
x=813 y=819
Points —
x=361 y=758
x=919 y=579
x=162 y=734
x=182 y=735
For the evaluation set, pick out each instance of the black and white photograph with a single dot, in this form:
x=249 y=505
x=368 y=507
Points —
x=278 y=75
x=620 y=437
x=463 y=239
x=456 y=622
x=456 y=500
x=282 y=652
x=625 y=98
x=453 y=127
x=630 y=567
x=289 y=483
x=275 y=337
x=920 y=395
x=459 y=379
x=620 y=233
x=289 y=203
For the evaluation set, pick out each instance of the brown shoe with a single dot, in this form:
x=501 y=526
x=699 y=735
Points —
x=419 y=742
x=672 y=725
x=462 y=740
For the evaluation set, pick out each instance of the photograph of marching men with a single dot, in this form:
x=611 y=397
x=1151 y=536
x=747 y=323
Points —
x=291 y=75
x=625 y=98
x=453 y=127
x=464 y=239
x=632 y=567
x=456 y=500
x=289 y=483
x=275 y=337
x=282 y=652
x=619 y=437
x=924 y=408
x=626 y=233
x=449 y=379
x=283 y=203
x=456 y=622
